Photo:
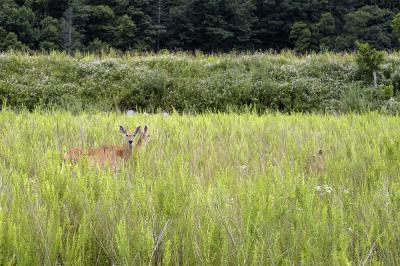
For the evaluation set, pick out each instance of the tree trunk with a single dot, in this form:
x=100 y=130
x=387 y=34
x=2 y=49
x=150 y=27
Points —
x=375 y=79
x=69 y=35
x=159 y=24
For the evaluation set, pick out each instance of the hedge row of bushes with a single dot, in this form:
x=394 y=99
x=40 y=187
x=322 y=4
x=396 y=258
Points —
x=279 y=82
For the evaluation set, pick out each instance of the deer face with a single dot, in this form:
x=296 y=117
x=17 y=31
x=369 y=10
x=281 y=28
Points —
x=145 y=136
x=129 y=136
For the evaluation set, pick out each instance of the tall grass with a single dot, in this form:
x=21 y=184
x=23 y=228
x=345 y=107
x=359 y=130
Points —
x=209 y=189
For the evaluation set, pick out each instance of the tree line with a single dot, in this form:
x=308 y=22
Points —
x=207 y=25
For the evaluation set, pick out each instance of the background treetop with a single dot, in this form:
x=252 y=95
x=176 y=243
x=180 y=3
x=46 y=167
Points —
x=208 y=25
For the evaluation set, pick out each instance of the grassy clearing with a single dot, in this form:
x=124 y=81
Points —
x=211 y=189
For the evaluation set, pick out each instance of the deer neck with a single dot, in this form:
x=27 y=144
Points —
x=128 y=151
x=139 y=143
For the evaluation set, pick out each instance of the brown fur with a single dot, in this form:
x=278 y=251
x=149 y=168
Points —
x=100 y=156
x=104 y=155
x=144 y=139
x=316 y=163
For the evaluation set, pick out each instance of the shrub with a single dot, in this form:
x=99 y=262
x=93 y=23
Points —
x=284 y=82
x=391 y=107
x=387 y=91
x=368 y=61
x=396 y=83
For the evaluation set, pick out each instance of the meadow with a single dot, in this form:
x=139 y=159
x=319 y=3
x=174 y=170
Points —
x=210 y=189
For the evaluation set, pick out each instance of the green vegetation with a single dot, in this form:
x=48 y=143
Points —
x=369 y=62
x=210 y=190
x=285 y=82
x=189 y=25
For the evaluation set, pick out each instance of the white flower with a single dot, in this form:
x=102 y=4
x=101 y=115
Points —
x=243 y=169
x=328 y=189
x=324 y=189
x=130 y=113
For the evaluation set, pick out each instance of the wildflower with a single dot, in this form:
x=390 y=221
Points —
x=328 y=189
x=130 y=113
x=243 y=169
x=324 y=189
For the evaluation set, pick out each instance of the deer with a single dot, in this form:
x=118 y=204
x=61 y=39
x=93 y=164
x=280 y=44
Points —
x=316 y=163
x=144 y=139
x=110 y=154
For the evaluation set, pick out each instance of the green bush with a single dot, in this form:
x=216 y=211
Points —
x=387 y=91
x=278 y=82
x=396 y=83
x=368 y=60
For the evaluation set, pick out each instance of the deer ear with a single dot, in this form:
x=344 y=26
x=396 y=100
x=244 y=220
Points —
x=122 y=130
x=137 y=130
x=145 y=129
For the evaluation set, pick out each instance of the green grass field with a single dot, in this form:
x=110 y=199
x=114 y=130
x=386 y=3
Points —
x=213 y=189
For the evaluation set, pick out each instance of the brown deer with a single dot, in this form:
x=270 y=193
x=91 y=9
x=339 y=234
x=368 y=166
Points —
x=107 y=154
x=144 y=139
x=316 y=163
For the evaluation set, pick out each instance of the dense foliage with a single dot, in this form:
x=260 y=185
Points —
x=369 y=62
x=208 y=25
x=279 y=82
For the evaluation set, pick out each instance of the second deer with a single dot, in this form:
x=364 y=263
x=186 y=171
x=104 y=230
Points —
x=110 y=154
x=316 y=163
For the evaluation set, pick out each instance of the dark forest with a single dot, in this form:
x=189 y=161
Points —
x=206 y=25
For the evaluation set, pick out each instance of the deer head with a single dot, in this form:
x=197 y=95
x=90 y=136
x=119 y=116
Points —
x=129 y=136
